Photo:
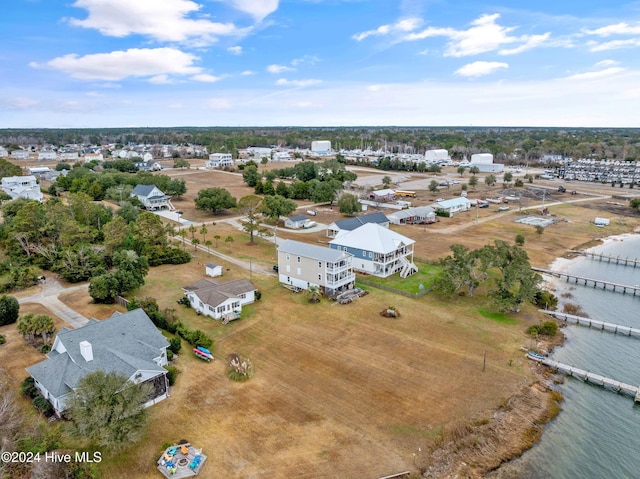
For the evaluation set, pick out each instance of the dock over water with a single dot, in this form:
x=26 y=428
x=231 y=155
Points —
x=594 y=324
x=635 y=262
x=596 y=283
x=607 y=383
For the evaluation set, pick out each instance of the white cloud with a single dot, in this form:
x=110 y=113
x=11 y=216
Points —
x=237 y=50
x=613 y=45
x=483 y=36
x=247 y=73
x=118 y=65
x=616 y=29
x=19 y=103
x=94 y=94
x=218 y=104
x=258 y=9
x=297 y=83
x=477 y=69
x=607 y=72
x=310 y=59
x=404 y=25
x=161 y=80
x=166 y=20
x=206 y=78
x=606 y=63
x=279 y=68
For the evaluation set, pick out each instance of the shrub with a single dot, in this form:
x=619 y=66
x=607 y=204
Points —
x=2 y=339
x=172 y=374
x=169 y=355
x=520 y=240
x=175 y=345
x=29 y=388
x=239 y=368
x=546 y=299
x=258 y=295
x=548 y=328
x=42 y=405
x=45 y=348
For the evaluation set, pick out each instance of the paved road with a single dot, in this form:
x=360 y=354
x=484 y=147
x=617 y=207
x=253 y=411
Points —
x=48 y=297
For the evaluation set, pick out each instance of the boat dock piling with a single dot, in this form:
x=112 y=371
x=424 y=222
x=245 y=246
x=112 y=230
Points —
x=609 y=259
x=594 y=324
x=607 y=383
x=606 y=285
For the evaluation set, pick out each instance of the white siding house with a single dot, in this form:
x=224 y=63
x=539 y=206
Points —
x=296 y=222
x=20 y=154
x=223 y=301
x=219 y=160
x=152 y=197
x=453 y=206
x=47 y=155
x=301 y=265
x=126 y=343
x=22 y=187
x=377 y=250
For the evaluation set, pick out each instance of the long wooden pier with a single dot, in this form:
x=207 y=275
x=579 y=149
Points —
x=635 y=262
x=606 y=285
x=594 y=324
x=607 y=383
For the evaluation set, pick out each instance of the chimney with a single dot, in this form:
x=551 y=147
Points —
x=86 y=350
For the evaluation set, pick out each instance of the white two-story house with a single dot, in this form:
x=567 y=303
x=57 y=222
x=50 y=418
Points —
x=22 y=187
x=152 y=197
x=219 y=160
x=301 y=265
x=377 y=250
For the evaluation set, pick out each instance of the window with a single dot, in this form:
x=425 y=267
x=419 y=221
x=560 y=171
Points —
x=298 y=259
x=319 y=277
x=370 y=254
x=364 y=253
x=288 y=256
x=319 y=264
x=298 y=271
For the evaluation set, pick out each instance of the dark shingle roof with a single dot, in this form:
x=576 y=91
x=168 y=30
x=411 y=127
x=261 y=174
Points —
x=351 y=224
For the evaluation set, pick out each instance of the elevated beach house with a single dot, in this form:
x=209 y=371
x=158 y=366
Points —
x=152 y=198
x=126 y=343
x=377 y=250
x=301 y=265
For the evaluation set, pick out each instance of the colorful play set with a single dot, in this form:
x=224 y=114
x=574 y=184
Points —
x=203 y=353
x=181 y=461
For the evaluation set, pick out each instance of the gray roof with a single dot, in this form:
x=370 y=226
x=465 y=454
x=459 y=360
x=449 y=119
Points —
x=312 y=251
x=214 y=293
x=143 y=190
x=351 y=224
x=124 y=343
x=297 y=218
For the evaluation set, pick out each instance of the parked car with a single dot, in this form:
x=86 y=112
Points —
x=503 y=208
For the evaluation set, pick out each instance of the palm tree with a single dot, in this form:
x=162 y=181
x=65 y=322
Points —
x=195 y=242
x=216 y=237
x=203 y=232
x=192 y=230
x=229 y=239
x=314 y=293
x=182 y=234
x=208 y=245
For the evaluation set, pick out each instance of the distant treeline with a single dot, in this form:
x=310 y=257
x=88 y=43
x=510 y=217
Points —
x=505 y=143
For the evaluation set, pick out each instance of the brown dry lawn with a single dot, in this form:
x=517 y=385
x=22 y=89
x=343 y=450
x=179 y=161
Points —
x=339 y=391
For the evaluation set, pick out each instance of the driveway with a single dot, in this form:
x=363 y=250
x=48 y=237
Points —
x=48 y=297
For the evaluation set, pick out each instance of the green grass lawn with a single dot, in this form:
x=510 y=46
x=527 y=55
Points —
x=425 y=276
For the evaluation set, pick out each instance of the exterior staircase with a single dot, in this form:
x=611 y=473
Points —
x=408 y=267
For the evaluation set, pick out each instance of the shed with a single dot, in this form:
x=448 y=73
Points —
x=213 y=270
x=296 y=222
x=601 y=221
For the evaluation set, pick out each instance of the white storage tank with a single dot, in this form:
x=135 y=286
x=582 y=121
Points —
x=482 y=159
x=320 y=146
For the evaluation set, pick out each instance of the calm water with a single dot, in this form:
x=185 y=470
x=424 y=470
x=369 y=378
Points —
x=597 y=435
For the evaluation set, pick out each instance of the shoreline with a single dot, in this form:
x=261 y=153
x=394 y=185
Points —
x=486 y=451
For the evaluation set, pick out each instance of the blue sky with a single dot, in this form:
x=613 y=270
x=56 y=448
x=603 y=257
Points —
x=117 y=63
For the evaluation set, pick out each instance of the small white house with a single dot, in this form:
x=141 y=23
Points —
x=3 y=152
x=152 y=197
x=223 y=301
x=93 y=156
x=296 y=222
x=69 y=156
x=601 y=221
x=20 y=154
x=213 y=270
x=47 y=155
x=453 y=206
x=281 y=156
